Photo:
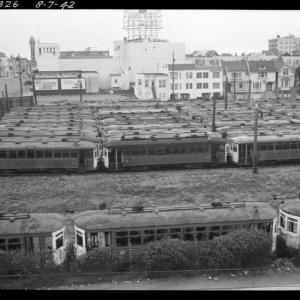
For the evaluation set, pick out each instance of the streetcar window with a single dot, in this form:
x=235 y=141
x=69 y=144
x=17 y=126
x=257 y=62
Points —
x=57 y=153
x=148 y=232
x=126 y=152
x=294 y=145
x=262 y=147
x=168 y=150
x=188 y=229
x=59 y=242
x=227 y=227
x=39 y=153
x=132 y=233
x=234 y=148
x=285 y=146
x=48 y=154
x=73 y=153
x=175 y=233
x=121 y=233
x=292 y=225
x=122 y=242
x=94 y=239
x=270 y=146
x=215 y=228
x=282 y=221
x=13 y=244
x=200 y=228
x=175 y=150
x=201 y=236
x=192 y=149
x=135 y=240
x=278 y=146
x=160 y=151
x=142 y=151
x=2 y=154
x=30 y=153
x=151 y=151
x=21 y=154
x=65 y=153
x=2 y=244
x=211 y=235
x=135 y=152
x=162 y=231
x=79 y=239
x=148 y=239
x=183 y=149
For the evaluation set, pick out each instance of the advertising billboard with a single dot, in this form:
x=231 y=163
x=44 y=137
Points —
x=46 y=84
x=72 y=84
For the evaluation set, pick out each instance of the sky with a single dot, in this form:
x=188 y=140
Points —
x=233 y=31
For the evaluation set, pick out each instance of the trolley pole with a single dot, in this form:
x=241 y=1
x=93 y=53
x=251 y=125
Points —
x=249 y=95
x=20 y=74
x=213 y=126
x=173 y=78
x=255 y=141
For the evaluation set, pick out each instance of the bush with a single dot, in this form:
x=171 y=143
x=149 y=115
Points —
x=166 y=254
x=101 y=260
x=20 y=263
x=282 y=250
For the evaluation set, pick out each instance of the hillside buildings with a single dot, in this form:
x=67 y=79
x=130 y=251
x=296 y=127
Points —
x=286 y=44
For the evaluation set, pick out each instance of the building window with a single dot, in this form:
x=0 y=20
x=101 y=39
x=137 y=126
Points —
x=216 y=85
x=146 y=83
x=191 y=85
x=292 y=225
x=174 y=75
x=199 y=85
x=176 y=86
x=189 y=75
x=162 y=83
x=140 y=82
x=216 y=74
x=199 y=74
x=116 y=81
x=205 y=85
x=256 y=85
x=187 y=86
x=205 y=74
x=285 y=71
x=262 y=74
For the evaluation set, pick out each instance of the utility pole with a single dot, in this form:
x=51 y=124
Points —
x=226 y=93
x=6 y=98
x=234 y=87
x=173 y=87
x=20 y=74
x=80 y=86
x=255 y=141
x=213 y=126
x=33 y=86
x=249 y=94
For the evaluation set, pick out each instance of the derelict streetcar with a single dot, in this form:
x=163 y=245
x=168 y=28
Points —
x=124 y=229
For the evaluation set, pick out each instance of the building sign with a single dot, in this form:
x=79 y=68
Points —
x=72 y=84
x=58 y=74
x=46 y=84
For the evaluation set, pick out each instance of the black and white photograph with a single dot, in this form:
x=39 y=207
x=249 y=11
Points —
x=149 y=149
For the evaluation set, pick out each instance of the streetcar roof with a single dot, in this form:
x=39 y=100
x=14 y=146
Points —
x=90 y=220
x=291 y=207
x=32 y=223
x=265 y=138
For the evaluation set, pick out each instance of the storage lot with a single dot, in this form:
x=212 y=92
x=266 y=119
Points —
x=46 y=193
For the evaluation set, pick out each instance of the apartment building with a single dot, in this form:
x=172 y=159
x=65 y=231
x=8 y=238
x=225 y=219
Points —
x=192 y=81
x=281 y=45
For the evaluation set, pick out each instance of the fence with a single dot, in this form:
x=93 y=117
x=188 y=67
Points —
x=6 y=104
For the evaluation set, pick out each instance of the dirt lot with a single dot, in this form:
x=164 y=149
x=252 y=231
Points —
x=55 y=193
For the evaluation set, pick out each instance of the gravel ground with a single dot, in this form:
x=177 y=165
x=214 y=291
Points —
x=56 y=193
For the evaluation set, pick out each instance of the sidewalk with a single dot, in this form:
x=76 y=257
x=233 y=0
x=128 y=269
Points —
x=271 y=280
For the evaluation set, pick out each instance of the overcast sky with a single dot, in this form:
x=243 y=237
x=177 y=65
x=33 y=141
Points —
x=222 y=30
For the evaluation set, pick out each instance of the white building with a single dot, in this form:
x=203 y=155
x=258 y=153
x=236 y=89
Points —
x=152 y=86
x=192 y=81
x=50 y=58
x=286 y=44
x=145 y=56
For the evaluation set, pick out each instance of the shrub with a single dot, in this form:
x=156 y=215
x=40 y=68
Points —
x=101 y=260
x=282 y=250
x=166 y=254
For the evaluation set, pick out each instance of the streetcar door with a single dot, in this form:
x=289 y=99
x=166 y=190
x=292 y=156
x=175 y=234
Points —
x=274 y=234
x=59 y=246
x=214 y=149
x=80 y=244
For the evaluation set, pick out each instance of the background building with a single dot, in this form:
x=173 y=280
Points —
x=281 y=45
